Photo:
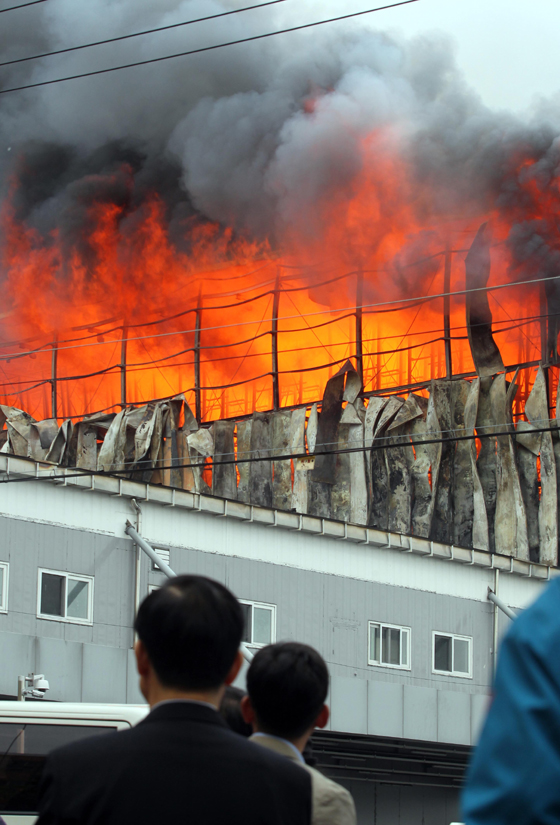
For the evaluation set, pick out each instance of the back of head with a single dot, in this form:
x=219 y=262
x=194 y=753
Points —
x=230 y=711
x=287 y=684
x=191 y=629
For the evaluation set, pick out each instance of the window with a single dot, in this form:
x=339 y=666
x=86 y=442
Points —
x=65 y=597
x=4 y=571
x=260 y=623
x=389 y=645
x=452 y=655
x=164 y=555
x=24 y=747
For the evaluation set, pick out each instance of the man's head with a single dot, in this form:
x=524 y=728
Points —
x=287 y=685
x=189 y=632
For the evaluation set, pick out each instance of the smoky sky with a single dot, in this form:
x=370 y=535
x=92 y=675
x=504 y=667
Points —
x=252 y=136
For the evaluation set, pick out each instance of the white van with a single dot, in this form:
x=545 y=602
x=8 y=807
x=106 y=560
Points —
x=30 y=730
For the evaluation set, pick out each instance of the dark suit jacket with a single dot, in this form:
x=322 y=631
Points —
x=181 y=764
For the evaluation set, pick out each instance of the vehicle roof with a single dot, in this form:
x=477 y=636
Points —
x=73 y=710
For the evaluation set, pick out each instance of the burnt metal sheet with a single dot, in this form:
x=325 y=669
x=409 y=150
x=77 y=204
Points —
x=358 y=482
x=487 y=462
x=243 y=452
x=282 y=470
x=86 y=450
x=111 y=453
x=480 y=538
x=327 y=432
x=201 y=447
x=510 y=520
x=486 y=355
x=527 y=437
x=224 y=476
x=340 y=490
x=260 y=480
x=463 y=484
x=379 y=470
x=400 y=458
x=443 y=515
x=529 y=481
x=297 y=446
x=410 y=410
x=312 y=427
x=536 y=409
x=425 y=469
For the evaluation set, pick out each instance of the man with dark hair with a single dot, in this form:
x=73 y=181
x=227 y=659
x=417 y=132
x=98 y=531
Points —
x=181 y=763
x=287 y=685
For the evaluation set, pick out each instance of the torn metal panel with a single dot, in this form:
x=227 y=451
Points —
x=111 y=453
x=200 y=446
x=379 y=469
x=487 y=463
x=480 y=538
x=529 y=481
x=170 y=472
x=536 y=409
x=57 y=451
x=410 y=410
x=527 y=437
x=86 y=449
x=327 y=432
x=350 y=415
x=486 y=355
x=353 y=384
x=399 y=461
x=373 y=411
x=297 y=446
x=510 y=520
x=425 y=470
x=442 y=520
x=260 y=480
x=18 y=425
x=340 y=490
x=463 y=484
x=312 y=427
x=282 y=470
x=224 y=476
x=187 y=474
x=41 y=436
x=244 y=452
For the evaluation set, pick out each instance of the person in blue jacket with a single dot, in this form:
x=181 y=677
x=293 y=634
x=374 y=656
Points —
x=514 y=775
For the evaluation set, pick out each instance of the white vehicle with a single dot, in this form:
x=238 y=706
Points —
x=30 y=730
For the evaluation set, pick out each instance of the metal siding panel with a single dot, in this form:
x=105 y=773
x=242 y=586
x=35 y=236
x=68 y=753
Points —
x=454 y=717
x=385 y=709
x=104 y=674
x=420 y=713
x=17 y=655
x=480 y=702
x=133 y=695
x=61 y=662
x=348 y=705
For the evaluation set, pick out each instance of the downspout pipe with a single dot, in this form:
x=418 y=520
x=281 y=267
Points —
x=502 y=605
x=166 y=569
x=148 y=550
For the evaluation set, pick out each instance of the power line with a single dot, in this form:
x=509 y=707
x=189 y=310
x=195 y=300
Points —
x=205 y=48
x=292 y=456
x=135 y=34
x=351 y=310
x=22 y=6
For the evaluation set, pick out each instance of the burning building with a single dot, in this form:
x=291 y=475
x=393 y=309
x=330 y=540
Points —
x=311 y=295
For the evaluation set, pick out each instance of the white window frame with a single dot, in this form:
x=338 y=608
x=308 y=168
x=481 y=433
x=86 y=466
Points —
x=5 y=586
x=65 y=575
x=272 y=608
x=381 y=625
x=452 y=636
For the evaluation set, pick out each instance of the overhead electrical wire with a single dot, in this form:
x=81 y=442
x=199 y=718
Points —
x=23 y=6
x=350 y=309
x=137 y=34
x=210 y=463
x=203 y=49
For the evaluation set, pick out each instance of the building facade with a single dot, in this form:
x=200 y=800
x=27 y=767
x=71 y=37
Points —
x=404 y=624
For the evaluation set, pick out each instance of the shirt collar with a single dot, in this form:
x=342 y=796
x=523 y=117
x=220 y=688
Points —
x=281 y=739
x=184 y=701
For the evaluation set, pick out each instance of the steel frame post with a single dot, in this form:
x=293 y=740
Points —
x=124 y=342
x=359 y=325
x=274 y=347
x=447 y=310
x=54 y=367
x=197 y=330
